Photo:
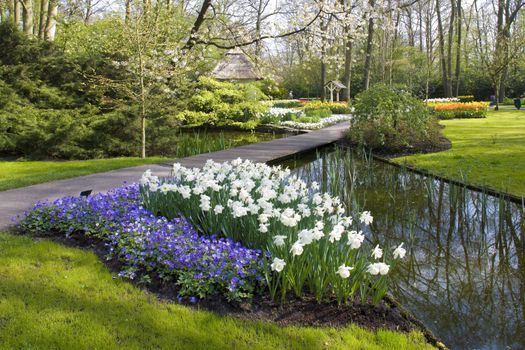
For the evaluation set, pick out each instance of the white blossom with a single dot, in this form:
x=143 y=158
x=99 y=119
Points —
x=399 y=252
x=278 y=264
x=344 y=271
x=377 y=253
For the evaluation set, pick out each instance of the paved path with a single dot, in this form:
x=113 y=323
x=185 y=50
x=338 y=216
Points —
x=16 y=201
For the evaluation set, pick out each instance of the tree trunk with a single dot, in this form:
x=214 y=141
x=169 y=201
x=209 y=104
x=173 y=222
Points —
x=420 y=23
x=449 y=47
x=88 y=13
x=16 y=13
x=128 y=11
x=348 y=69
x=142 y=108
x=444 y=74
x=51 y=23
x=27 y=17
x=324 y=27
x=458 y=48
x=258 y=32
x=42 y=18
x=368 y=57
x=502 y=89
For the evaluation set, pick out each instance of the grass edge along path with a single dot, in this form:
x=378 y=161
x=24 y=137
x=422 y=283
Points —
x=57 y=297
x=487 y=152
x=15 y=174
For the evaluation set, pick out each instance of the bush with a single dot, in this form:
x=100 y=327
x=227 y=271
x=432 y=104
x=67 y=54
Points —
x=272 y=89
x=224 y=103
x=318 y=113
x=287 y=104
x=392 y=119
x=334 y=107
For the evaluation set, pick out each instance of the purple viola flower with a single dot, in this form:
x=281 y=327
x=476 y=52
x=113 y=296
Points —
x=145 y=243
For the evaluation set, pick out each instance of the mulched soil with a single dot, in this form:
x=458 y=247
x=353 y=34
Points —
x=299 y=312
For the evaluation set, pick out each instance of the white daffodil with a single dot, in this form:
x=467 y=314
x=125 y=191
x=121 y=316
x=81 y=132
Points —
x=335 y=234
x=218 y=209
x=399 y=252
x=205 y=203
x=366 y=218
x=355 y=239
x=377 y=253
x=279 y=240
x=297 y=248
x=344 y=271
x=379 y=268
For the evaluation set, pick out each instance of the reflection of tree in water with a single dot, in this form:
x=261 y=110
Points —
x=465 y=271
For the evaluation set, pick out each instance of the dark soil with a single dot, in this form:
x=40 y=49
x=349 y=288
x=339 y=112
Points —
x=300 y=312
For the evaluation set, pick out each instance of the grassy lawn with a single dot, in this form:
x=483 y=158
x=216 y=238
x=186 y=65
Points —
x=15 y=174
x=55 y=297
x=488 y=152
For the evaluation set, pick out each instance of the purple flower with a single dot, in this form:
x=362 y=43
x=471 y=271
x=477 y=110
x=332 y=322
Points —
x=146 y=243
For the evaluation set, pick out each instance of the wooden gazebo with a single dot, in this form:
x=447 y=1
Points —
x=236 y=67
x=334 y=86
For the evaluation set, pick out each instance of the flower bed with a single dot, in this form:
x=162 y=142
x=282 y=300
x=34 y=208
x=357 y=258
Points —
x=335 y=107
x=450 y=110
x=312 y=245
x=442 y=100
x=321 y=124
x=152 y=246
x=281 y=235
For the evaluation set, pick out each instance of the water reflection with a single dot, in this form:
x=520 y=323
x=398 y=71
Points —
x=465 y=272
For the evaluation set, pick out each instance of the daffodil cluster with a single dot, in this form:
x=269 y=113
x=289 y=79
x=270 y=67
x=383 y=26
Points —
x=312 y=244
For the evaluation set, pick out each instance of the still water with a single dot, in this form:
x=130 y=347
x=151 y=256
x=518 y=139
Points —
x=464 y=274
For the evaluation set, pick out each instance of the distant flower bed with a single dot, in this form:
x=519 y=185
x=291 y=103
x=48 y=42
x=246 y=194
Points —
x=335 y=107
x=442 y=100
x=151 y=245
x=312 y=244
x=450 y=110
x=318 y=125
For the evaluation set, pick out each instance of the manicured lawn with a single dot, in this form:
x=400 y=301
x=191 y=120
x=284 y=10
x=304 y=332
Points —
x=55 y=297
x=15 y=174
x=488 y=152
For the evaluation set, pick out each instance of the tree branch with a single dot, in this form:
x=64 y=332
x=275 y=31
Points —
x=263 y=37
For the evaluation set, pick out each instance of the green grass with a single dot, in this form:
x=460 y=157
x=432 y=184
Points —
x=56 y=297
x=15 y=174
x=487 y=152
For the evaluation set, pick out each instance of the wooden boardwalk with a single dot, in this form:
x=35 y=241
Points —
x=15 y=202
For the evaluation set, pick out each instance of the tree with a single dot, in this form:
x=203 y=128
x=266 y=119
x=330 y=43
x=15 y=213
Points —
x=154 y=57
x=51 y=21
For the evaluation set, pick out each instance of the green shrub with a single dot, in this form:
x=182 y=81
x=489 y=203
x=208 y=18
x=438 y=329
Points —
x=287 y=104
x=318 y=112
x=205 y=102
x=196 y=118
x=224 y=103
x=272 y=89
x=392 y=119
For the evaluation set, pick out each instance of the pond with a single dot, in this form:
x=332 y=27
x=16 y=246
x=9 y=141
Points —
x=464 y=275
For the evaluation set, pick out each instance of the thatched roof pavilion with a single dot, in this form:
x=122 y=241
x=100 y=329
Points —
x=236 y=66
